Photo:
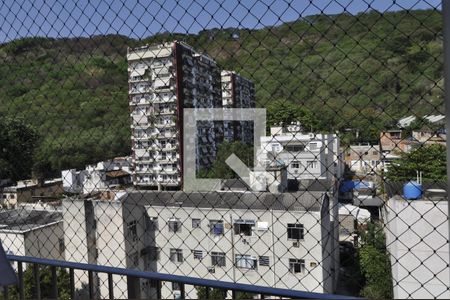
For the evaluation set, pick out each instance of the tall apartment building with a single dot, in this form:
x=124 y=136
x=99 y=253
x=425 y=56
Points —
x=283 y=240
x=163 y=80
x=237 y=92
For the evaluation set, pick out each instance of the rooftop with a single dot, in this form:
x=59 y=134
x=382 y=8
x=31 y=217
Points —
x=297 y=201
x=25 y=219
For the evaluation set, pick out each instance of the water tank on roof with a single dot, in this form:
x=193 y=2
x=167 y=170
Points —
x=412 y=190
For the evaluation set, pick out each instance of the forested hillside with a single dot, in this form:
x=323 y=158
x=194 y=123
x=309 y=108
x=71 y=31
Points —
x=340 y=72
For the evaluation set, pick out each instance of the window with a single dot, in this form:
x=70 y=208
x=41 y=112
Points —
x=244 y=227
x=176 y=255
x=218 y=259
x=216 y=227
x=245 y=261
x=311 y=164
x=152 y=223
x=132 y=230
x=312 y=146
x=295 y=231
x=152 y=253
x=198 y=254
x=196 y=223
x=296 y=265
x=295 y=165
x=62 y=246
x=174 y=225
x=264 y=261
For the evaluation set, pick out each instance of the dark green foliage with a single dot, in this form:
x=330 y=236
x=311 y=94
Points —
x=375 y=263
x=286 y=112
x=213 y=293
x=220 y=169
x=332 y=72
x=431 y=160
x=17 y=143
x=45 y=275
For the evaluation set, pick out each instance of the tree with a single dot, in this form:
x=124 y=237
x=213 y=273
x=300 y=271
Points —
x=213 y=293
x=45 y=279
x=17 y=143
x=286 y=112
x=429 y=159
x=220 y=169
x=375 y=264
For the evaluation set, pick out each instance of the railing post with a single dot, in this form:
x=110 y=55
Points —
x=54 y=294
x=91 y=284
x=37 y=281
x=158 y=290
x=72 y=283
x=183 y=291
x=21 y=286
x=133 y=286
x=110 y=286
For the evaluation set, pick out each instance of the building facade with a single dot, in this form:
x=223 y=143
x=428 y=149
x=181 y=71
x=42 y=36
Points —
x=237 y=92
x=306 y=155
x=417 y=240
x=31 y=190
x=363 y=159
x=104 y=175
x=237 y=237
x=30 y=232
x=163 y=80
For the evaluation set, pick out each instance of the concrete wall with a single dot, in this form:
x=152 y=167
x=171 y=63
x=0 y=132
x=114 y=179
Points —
x=414 y=231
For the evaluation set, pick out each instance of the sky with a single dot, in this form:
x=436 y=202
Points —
x=140 y=19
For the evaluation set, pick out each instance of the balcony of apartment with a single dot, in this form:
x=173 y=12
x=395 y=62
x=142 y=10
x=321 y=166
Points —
x=165 y=124
x=166 y=111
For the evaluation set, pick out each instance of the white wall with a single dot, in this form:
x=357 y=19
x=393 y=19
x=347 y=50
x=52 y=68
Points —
x=414 y=262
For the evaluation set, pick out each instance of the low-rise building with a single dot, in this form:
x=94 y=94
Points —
x=430 y=137
x=37 y=233
x=417 y=234
x=102 y=176
x=306 y=155
x=279 y=240
x=363 y=159
x=31 y=191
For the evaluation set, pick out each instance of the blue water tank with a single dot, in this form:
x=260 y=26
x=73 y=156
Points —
x=412 y=190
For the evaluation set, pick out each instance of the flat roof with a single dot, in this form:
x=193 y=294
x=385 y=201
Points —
x=296 y=201
x=22 y=219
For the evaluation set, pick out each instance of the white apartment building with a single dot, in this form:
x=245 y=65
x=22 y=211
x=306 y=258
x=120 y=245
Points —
x=417 y=234
x=29 y=232
x=306 y=155
x=163 y=80
x=283 y=240
x=104 y=175
x=237 y=92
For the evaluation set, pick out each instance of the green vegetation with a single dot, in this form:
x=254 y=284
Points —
x=335 y=72
x=375 y=264
x=45 y=275
x=430 y=159
x=17 y=143
x=220 y=169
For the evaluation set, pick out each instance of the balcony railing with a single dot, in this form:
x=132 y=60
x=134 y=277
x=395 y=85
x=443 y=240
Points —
x=133 y=276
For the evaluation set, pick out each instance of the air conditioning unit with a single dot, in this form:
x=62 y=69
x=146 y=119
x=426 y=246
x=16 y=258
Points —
x=211 y=270
x=296 y=244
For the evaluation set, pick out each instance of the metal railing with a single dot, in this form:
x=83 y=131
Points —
x=134 y=275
